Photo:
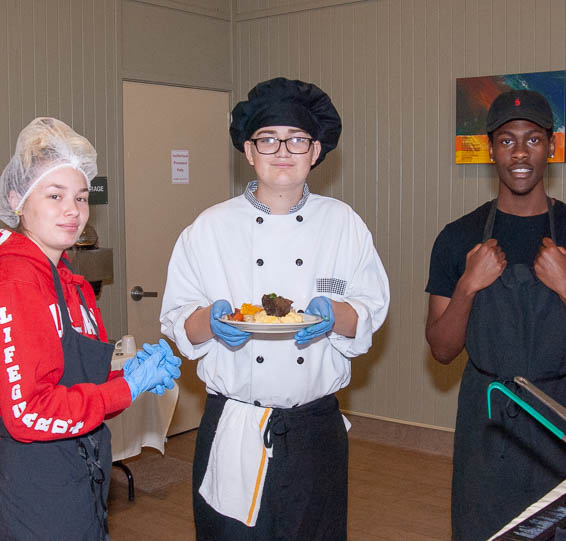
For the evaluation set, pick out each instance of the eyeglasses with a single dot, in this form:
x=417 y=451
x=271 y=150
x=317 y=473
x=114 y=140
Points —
x=271 y=145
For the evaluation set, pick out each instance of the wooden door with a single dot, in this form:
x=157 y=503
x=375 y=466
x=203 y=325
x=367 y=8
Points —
x=158 y=120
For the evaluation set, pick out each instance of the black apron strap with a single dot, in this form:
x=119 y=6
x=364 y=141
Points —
x=83 y=301
x=551 y=219
x=88 y=446
x=489 y=223
x=65 y=318
x=488 y=228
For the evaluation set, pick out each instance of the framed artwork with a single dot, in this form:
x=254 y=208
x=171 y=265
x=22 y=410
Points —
x=474 y=96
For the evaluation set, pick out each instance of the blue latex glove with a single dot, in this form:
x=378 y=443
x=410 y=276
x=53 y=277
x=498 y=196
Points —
x=229 y=334
x=153 y=371
x=148 y=349
x=163 y=346
x=170 y=358
x=133 y=362
x=319 y=306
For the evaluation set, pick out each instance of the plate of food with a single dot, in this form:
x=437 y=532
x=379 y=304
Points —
x=274 y=316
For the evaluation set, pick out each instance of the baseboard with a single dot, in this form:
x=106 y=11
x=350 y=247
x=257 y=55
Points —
x=409 y=436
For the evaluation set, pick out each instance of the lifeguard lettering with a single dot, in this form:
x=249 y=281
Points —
x=59 y=426
x=4 y=317
x=9 y=354
x=43 y=424
x=29 y=418
x=77 y=427
x=32 y=420
x=18 y=409
x=14 y=373
x=16 y=392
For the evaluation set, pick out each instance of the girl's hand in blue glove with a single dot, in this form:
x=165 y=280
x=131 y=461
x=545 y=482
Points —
x=229 y=334
x=146 y=375
x=133 y=362
x=170 y=359
x=322 y=307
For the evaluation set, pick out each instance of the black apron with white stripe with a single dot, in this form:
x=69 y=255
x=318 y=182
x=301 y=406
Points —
x=306 y=486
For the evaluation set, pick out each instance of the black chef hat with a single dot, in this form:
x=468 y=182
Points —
x=282 y=102
x=519 y=105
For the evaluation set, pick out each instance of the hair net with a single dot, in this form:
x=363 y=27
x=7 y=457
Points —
x=43 y=146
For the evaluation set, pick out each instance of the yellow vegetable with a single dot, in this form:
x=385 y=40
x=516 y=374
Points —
x=250 y=309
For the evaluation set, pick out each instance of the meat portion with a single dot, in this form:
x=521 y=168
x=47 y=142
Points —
x=275 y=305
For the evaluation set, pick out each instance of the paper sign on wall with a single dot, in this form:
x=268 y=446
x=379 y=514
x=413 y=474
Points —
x=180 y=166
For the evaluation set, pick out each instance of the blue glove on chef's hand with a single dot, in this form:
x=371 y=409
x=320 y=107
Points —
x=319 y=306
x=170 y=359
x=231 y=335
x=150 y=372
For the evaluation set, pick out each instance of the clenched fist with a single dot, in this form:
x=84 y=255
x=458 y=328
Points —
x=485 y=263
x=550 y=266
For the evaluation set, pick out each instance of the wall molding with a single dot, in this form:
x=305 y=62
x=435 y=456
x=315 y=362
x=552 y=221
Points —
x=153 y=78
x=398 y=433
x=304 y=6
x=190 y=7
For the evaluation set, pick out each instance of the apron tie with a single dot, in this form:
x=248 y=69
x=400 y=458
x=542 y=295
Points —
x=277 y=425
x=96 y=475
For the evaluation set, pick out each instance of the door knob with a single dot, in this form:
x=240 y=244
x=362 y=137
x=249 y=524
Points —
x=137 y=293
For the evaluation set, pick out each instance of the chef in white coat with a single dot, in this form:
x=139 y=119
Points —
x=272 y=450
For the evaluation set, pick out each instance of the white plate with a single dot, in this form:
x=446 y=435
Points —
x=273 y=328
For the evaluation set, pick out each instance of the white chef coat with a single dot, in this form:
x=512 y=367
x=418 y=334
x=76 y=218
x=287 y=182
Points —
x=238 y=252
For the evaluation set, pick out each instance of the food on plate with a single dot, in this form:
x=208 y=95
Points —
x=275 y=309
x=236 y=316
x=263 y=317
x=275 y=305
x=250 y=309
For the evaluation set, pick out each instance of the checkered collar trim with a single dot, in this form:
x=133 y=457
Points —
x=252 y=187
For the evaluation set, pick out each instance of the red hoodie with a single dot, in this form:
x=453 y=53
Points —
x=33 y=406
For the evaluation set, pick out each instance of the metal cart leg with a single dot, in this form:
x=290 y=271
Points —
x=130 y=477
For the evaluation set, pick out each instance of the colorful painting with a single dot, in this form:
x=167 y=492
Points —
x=474 y=96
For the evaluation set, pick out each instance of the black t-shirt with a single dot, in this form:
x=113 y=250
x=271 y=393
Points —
x=519 y=237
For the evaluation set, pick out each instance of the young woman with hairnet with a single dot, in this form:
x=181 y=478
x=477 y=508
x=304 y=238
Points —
x=56 y=387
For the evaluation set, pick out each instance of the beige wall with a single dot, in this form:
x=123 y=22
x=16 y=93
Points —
x=67 y=58
x=390 y=67
x=60 y=58
x=189 y=45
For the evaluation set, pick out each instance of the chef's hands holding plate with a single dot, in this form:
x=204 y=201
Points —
x=229 y=334
x=322 y=307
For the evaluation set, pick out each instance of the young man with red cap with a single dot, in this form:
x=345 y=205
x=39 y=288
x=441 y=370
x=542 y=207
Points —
x=498 y=288
x=271 y=460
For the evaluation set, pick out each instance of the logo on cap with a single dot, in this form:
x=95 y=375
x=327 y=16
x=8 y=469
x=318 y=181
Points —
x=517 y=102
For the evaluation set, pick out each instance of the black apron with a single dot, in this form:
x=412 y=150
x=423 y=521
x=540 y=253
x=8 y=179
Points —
x=58 y=489
x=517 y=327
x=305 y=494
